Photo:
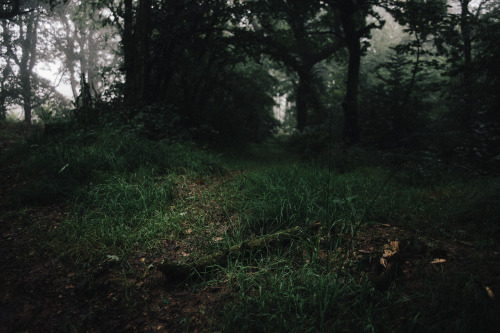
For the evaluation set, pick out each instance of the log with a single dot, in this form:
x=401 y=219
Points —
x=175 y=271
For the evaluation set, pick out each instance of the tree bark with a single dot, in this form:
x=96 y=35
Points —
x=28 y=38
x=467 y=69
x=128 y=50
x=301 y=103
x=136 y=47
x=347 y=11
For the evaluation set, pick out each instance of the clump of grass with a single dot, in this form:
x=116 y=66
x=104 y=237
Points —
x=285 y=196
x=274 y=296
x=123 y=214
x=294 y=291
x=58 y=167
x=119 y=184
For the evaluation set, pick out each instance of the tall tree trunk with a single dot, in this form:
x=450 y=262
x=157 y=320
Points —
x=28 y=60
x=350 y=103
x=301 y=103
x=467 y=69
x=136 y=47
x=128 y=50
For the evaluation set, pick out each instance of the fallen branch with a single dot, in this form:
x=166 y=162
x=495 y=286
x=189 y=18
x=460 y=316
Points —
x=180 y=271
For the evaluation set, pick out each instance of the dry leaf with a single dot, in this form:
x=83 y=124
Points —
x=387 y=253
x=490 y=292
x=189 y=231
x=438 y=261
x=394 y=246
x=383 y=262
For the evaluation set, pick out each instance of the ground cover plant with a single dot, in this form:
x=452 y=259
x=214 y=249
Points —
x=374 y=253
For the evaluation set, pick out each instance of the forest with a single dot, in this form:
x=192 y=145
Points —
x=249 y=165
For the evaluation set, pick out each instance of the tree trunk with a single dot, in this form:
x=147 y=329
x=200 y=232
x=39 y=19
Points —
x=350 y=104
x=28 y=37
x=136 y=47
x=467 y=71
x=128 y=50
x=301 y=103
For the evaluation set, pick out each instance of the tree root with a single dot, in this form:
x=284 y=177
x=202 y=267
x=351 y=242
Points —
x=180 y=271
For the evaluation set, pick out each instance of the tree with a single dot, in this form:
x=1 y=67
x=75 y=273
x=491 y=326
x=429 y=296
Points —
x=353 y=15
x=11 y=8
x=296 y=34
x=8 y=90
x=23 y=51
x=83 y=43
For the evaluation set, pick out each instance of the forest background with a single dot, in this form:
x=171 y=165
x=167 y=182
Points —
x=189 y=127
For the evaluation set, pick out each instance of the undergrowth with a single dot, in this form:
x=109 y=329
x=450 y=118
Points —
x=307 y=288
x=127 y=193
x=120 y=186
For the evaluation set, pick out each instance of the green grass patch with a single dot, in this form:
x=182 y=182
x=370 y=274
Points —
x=127 y=193
x=295 y=291
x=120 y=185
x=58 y=166
x=116 y=218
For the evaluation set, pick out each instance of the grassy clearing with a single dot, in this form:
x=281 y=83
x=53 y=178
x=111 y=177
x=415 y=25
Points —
x=120 y=186
x=128 y=194
x=308 y=289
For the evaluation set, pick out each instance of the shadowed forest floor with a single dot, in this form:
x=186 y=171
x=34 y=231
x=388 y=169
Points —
x=414 y=265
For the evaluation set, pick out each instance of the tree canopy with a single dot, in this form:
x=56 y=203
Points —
x=217 y=68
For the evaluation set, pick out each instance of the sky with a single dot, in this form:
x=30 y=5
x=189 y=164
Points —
x=49 y=71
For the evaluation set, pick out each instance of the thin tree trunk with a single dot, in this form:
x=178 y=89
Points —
x=350 y=104
x=301 y=104
x=27 y=63
x=136 y=45
x=128 y=51
x=467 y=50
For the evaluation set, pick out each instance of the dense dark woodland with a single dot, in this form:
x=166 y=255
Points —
x=250 y=165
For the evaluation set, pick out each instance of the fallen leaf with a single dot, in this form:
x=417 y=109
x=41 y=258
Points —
x=387 y=253
x=490 y=292
x=383 y=262
x=189 y=231
x=438 y=261
x=217 y=239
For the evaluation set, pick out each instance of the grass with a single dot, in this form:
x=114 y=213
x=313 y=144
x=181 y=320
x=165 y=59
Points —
x=120 y=186
x=298 y=291
x=128 y=193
